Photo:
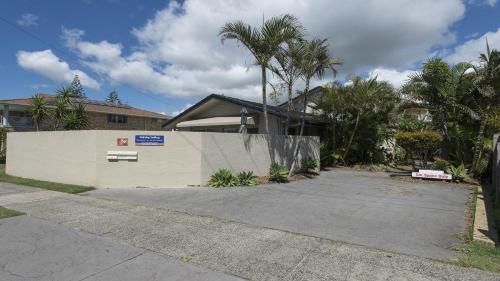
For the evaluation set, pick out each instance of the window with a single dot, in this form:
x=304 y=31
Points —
x=120 y=119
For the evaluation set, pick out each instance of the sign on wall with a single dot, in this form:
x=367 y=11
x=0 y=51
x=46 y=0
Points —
x=122 y=141
x=149 y=140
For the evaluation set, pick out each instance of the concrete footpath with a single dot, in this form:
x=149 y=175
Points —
x=209 y=244
x=35 y=249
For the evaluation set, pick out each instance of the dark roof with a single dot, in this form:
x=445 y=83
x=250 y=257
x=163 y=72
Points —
x=311 y=92
x=273 y=110
x=95 y=106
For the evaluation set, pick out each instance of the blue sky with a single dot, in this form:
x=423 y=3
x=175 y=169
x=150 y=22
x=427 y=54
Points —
x=164 y=56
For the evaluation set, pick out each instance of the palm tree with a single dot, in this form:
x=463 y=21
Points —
x=485 y=95
x=264 y=43
x=59 y=111
x=38 y=109
x=316 y=60
x=77 y=119
x=66 y=93
x=288 y=71
x=427 y=86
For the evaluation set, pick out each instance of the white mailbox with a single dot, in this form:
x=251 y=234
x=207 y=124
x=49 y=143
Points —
x=122 y=155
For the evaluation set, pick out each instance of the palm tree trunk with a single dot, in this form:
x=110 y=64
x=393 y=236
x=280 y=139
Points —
x=264 y=100
x=289 y=108
x=479 y=143
x=302 y=121
x=351 y=138
x=36 y=124
x=444 y=131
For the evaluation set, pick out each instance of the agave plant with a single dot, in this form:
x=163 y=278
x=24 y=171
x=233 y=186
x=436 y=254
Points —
x=278 y=173
x=223 y=178
x=457 y=173
x=247 y=178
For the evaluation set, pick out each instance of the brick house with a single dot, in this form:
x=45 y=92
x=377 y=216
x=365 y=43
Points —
x=102 y=115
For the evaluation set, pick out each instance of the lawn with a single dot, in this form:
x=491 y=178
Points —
x=6 y=213
x=61 y=187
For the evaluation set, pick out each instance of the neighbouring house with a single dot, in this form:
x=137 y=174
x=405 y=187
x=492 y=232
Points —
x=298 y=101
x=102 y=115
x=219 y=113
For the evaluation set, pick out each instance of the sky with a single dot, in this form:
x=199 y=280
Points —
x=164 y=56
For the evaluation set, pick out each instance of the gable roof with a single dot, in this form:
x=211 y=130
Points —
x=272 y=110
x=95 y=106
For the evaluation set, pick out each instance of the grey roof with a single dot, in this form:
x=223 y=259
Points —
x=272 y=110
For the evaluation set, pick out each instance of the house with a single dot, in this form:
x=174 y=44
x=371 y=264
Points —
x=102 y=115
x=298 y=101
x=219 y=113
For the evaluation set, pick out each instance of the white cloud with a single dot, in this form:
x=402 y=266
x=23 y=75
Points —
x=179 y=53
x=394 y=77
x=470 y=50
x=28 y=20
x=50 y=66
x=180 y=110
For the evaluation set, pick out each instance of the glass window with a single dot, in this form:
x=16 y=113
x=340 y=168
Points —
x=119 y=119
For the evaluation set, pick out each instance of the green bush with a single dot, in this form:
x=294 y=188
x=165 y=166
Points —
x=309 y=164
x=423 y=145
x=247 y=179
x=223 y=178
x=459 y=174
x=440 y=164
x=3 y=157
x=278 y=173
x=328 y=157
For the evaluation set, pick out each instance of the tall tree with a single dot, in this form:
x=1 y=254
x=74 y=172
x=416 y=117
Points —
x=426 y=86
x=113 y=98
x=263 y=43
x=76 y=87
x=288 y=71
x=485 y=95
x=38 y=110
x=315 y=61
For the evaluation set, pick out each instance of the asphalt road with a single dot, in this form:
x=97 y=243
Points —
x=420 y=218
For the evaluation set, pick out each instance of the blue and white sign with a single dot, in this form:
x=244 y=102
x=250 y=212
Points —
x=149 y=140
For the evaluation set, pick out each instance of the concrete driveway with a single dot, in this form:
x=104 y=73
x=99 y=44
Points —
x=371 y=209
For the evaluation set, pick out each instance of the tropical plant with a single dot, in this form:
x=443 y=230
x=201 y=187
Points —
x=223 y=178
x=278 y=173
x=315 y=61
x=60 y=108
x=263 y=43
x=66 y=93
x=437 y=86
x=113 y=98
x=440 y=164
x=309 y=164
x=77 y=118
x=422 y=144
x=287 y=69
x=459 y=174
x=247 y=178
x=485 y=96
x=38 y=109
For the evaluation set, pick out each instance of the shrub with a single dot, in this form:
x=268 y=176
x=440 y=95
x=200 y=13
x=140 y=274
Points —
x=247 y=178
x=421 y=144
x=309 y=164
x=328 y=157
x=457 y=173
x=278 y=173
x=223 y=178
x=440 y=164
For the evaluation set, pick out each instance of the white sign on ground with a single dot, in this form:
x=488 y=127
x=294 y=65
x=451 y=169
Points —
x=431 y=174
